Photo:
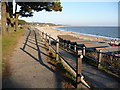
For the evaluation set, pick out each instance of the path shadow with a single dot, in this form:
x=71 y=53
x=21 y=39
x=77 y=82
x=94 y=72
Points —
x=9 y=83
x=38 y=45
x=38 y=50
x=27 y=39
x=31 y=40
x=39 y=59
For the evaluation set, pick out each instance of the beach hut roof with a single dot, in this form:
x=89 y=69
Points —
x=74 y=40
x=85 y=42
x=109 y=49
x=95 y=45
x=63 y=36
x=67 y=37
x=117 y=55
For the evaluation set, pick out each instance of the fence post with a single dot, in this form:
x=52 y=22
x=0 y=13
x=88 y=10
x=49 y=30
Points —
x=83 y=50
x=99 y=58
x=49 y=42
x=57 y=50
x=65 y=45
x=69 y=45
x=78 y=69
x=46 y=37
x=75 y=48
x=40 y=35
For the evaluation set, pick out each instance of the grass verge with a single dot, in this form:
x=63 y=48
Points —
x=0 y=53
x=68 y=78
x=9 y=41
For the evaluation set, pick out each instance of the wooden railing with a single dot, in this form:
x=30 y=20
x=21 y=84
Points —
x=100 y=58
x=103 y=59
x=78 y=72
x=82 y=52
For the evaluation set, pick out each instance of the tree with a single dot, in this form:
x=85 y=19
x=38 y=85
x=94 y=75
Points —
x=27 y=9
x=3 y=15
x=10 y=19
x=22 y=22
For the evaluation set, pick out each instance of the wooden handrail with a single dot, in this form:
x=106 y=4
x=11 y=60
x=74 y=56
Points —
x=65 y=63
x=83 y=52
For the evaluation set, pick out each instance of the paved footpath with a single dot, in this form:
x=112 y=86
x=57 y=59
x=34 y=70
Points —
x=29 y=65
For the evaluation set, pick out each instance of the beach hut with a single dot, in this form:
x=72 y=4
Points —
x=117 y=55
x=73 y=41
x=81 y=43
x=65 y=39
x=110 y=50
x=96 y=45
x=62 y=38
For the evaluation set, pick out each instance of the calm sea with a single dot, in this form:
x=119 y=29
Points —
x=105 y=32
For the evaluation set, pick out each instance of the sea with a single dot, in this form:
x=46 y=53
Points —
x=109 y=32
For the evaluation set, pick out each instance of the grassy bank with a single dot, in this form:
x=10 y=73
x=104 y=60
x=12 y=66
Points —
x=9 y=41
x=68 y=78
x=0 y=53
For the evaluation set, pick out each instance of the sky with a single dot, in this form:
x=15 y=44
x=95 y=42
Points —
x=80 y=13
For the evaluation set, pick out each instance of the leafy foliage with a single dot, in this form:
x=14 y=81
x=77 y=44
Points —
x=22 y=22
x=27 y=8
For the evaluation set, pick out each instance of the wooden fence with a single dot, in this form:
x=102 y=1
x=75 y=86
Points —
x=97 y=56
x=100 y=59
x=78 y=72
x=104 y=60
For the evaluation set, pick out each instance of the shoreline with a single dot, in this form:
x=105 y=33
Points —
x=55 y=32
x=81 y=26
x=112 y=39
x=99 y=36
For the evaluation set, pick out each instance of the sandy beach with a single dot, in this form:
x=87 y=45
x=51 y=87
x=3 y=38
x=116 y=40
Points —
x=54 y=33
